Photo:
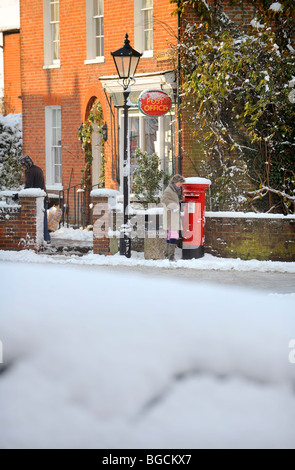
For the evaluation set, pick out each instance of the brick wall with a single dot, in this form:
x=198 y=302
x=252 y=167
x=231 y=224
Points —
x=263 y=238
x=21 y=226
x=12 y=76
x=74 y=84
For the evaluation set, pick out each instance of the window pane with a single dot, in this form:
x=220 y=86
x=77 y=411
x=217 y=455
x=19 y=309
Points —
x=54 y=10
x=98 y=28
x=53 y=136
x=99 y=37
x=56 y=158
x=58 y=118
x=98 y=47
x=148 y=29
x=58 y=136
x=147 y=3
x=95 y=7
x=99 y=31
x=100 y=7
x=55 y=36
x=55 y=40
x=150 y=127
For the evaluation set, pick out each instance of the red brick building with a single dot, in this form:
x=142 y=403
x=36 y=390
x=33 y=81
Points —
x=12 y=77
x=66 y=65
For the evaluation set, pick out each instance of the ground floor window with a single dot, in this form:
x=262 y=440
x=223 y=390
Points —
x=151 y=134
x=53 y=146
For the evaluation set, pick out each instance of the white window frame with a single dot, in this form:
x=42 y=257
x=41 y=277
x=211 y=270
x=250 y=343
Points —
x=49 y=61
x=50 y=173
x=92 y=58
x=139 y=28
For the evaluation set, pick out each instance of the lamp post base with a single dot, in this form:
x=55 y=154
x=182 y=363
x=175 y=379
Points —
x=125 y=247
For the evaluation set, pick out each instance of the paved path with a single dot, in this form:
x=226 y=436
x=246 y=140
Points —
x=268 y=281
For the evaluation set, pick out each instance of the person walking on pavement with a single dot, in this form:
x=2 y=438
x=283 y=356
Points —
x=171 y=218
x=34 y=178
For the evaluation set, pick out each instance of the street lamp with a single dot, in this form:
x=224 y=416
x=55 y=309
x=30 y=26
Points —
x=126 y=60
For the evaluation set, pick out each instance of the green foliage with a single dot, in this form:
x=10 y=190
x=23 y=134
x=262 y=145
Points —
x=85 y=137
x=236 y=85
x=11 y=174
x=148 y=177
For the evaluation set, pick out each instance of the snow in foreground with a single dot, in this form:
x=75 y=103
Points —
x=99 y=360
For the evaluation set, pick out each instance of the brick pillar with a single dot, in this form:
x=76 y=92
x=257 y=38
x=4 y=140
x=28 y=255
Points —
x=102 y=220
x=31 y=230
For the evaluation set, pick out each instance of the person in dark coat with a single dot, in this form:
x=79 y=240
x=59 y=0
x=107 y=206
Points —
x=34 y=178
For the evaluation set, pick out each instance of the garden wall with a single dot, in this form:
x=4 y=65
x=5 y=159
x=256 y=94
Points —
x=227 y=234
x=22 y=225
x=250 y=236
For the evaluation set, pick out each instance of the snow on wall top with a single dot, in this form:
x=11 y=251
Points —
x=104 y=192
x=32 y=192
x=197 y=180
x=249 y=215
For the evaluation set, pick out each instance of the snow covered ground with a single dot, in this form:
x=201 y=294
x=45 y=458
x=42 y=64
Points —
x=103 y=360
x=207 y=263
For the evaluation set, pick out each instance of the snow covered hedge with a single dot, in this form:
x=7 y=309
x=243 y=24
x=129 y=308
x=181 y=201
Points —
x=237 y=80
x=11 y=175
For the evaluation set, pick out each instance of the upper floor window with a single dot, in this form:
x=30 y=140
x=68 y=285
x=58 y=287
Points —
x=95 y=30
x=99 y=27
x=143 y=26
x=54 y=26
x=147 y=24
x=51 y=33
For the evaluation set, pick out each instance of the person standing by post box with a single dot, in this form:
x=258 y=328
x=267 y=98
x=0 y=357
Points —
x=171 y=218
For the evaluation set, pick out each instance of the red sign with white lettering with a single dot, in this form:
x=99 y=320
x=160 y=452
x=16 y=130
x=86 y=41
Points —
x=154 y=103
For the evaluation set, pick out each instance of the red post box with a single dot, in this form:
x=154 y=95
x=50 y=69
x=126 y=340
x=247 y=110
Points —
x=194 y=190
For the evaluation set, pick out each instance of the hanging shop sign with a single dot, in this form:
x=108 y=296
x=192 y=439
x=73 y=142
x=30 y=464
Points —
x=154 y=102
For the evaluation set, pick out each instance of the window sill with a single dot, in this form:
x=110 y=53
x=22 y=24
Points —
x=54 y=187
x=147 y=54
x=52 y=66
x=98 y=60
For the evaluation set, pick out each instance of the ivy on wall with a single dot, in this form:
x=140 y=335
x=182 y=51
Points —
x=85 y=137
x=236 y=88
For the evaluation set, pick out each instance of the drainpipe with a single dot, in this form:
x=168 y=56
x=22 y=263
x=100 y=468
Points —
x=178 y=92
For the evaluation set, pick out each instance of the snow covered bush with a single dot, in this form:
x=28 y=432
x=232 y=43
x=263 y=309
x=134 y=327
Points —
x=11 y=174
x=236 y=91
x=148 y=177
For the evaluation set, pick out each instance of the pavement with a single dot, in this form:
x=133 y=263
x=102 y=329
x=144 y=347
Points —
x=276 y=283
x=271 y=282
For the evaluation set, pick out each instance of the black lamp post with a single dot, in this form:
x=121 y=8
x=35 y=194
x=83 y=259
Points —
x=126 y=60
